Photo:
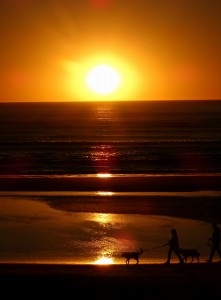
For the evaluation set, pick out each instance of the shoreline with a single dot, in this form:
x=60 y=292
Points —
x=198 y=208
x=114 y=183
x=96 y=194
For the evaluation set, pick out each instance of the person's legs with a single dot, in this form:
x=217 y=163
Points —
x=179 y=256
x=169 y=255
x=218 y=251
x=212 y=252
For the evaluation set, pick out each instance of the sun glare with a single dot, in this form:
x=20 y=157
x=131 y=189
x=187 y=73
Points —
x=104 y=175
x=101 y=193
x=100 y=77
x=104 y=261
x=103 y=79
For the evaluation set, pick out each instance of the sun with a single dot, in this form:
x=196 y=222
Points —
x=100 y=77
x=103 y=79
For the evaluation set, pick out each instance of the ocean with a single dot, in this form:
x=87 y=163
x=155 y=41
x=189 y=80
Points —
x=181 y=137
x=87 y=222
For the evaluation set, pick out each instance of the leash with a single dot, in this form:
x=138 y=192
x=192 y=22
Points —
x=143 y=250
x=160 y=246
x=201 y=245
x=164 y=245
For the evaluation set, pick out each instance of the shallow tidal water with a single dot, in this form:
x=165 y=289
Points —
x=34 y=231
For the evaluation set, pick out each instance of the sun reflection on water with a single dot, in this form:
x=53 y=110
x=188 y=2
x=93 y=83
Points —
x=104 y=261
x=103 y=218
x=102 y=193
x=104 y=175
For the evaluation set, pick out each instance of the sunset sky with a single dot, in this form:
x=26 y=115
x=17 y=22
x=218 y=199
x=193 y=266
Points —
x=160 y=49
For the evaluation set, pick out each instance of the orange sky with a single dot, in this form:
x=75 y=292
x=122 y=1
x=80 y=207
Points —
x=164 y=49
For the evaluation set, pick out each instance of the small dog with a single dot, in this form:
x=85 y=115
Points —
x=135 y=255
x=193 y=253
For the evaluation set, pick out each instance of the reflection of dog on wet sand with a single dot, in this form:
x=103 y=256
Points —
x=193 y=253
x=129 y=255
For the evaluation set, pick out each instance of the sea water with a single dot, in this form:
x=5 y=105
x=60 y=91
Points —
x=90 y=138
x=113 y=137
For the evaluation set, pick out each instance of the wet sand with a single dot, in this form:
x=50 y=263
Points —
x=154 y=281
x=149 y=281
x=204 y=207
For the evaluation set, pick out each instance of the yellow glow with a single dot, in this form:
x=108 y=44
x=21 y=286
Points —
x=100 y=193
x=103 y=218
x=104 y=175
x=104 y=261
x=103 y=79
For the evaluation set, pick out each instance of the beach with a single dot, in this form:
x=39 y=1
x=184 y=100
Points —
x=74 y=220
x=81 y=181
x=187 y=281
x=182 y=196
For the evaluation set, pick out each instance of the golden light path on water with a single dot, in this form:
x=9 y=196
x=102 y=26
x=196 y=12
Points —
x=104 y=175
x=52 y=230
x=104 y=261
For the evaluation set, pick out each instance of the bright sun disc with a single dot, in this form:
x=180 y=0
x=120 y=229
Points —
x=103 y=79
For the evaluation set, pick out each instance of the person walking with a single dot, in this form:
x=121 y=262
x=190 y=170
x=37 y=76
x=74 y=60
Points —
x=173 y=247
x=214 y=241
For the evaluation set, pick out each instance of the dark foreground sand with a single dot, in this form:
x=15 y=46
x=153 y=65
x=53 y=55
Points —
x=188 y=281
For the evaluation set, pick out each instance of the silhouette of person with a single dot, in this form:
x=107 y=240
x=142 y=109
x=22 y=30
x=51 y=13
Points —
x=214 y=241
x=173 y=247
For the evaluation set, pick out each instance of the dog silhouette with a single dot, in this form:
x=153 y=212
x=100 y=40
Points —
x=193 y=253
x=132 y=255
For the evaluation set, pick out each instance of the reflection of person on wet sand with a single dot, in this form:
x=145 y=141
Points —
x=215 y=243
x=173 y=247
